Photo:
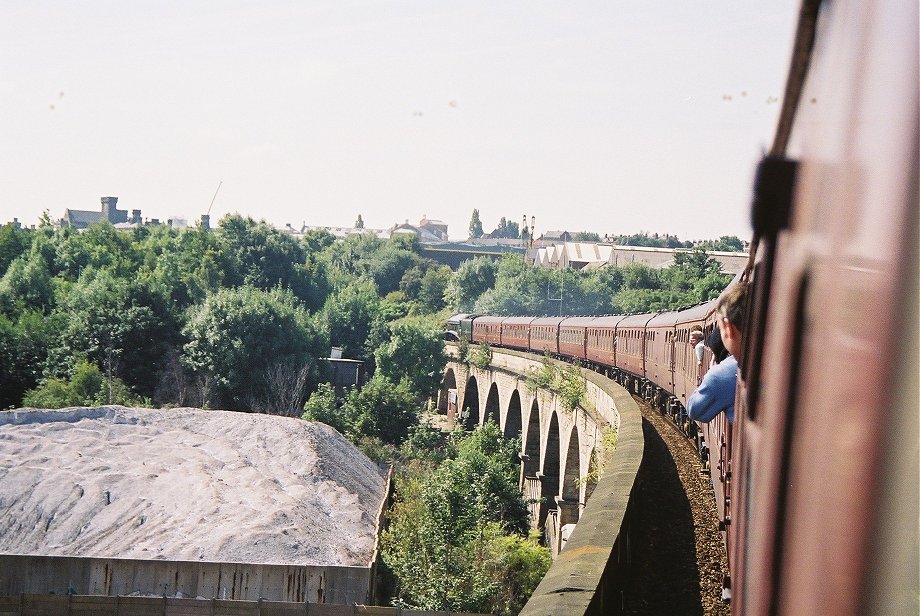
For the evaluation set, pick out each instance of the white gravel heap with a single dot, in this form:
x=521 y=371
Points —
x=184 y=484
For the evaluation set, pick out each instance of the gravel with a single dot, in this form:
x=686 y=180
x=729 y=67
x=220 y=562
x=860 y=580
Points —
x=185 y=484
x=678 y=557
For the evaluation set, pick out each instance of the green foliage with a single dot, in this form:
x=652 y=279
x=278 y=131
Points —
x=507 y=229
x=480 y=355
x=118 y=323
x=654 y=241
x=569 y=383
x=586 y=236
x=323 y=407
x=14 y=241
x=354 y=319
x=414 y=352
x=24 y=344
x=237 y=335
x=473 y=278
x=726 y=243
x=87 y=387
x=475 y=225
x=381 y=410
x=456 y=538
x=572 y=387
x=26 y=285
x=258 y=255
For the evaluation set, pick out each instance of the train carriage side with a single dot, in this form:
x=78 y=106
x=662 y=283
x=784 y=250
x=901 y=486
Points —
x=687 y=373
x=572 y=336
x=488 y=329
x=544 y=335
x=630 y=343
x=516 y=332
x=601 y=341
x=659 y=349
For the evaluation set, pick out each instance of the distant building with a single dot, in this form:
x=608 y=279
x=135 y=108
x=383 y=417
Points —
x=434 y=227
x=558 y=236
x=590 y=255
x=81 y=219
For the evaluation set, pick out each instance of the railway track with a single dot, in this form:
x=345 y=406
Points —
x=678 y=558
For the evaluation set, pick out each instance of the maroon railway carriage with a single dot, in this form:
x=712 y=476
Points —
x=572 y=336
x=687 y=374
x=488 y=329
x=659 y=350
x=826 y=459
x=630 y=343
x=516 y=332
x=601 y=340
x=544 y=335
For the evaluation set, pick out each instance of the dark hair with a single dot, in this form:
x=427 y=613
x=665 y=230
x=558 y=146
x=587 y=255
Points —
x=714 y=342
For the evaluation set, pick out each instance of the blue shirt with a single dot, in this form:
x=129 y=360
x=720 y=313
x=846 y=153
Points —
x=716 y=393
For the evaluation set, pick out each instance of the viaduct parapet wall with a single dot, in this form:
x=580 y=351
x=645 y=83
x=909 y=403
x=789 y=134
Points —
x=562 y=454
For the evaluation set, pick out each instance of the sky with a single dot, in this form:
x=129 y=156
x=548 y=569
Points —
x=606 y=116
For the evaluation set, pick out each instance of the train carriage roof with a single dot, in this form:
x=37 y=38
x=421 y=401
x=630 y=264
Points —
x=606 y=322
x=517 y=320
x=664 y=319
x=635 y=320
x=548 y=321
x=577 y=321
x=488 y=320
x=696 y=314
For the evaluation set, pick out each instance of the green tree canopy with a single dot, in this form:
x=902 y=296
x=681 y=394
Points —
x=475 y=225
x=237 y=335
x=414 y=352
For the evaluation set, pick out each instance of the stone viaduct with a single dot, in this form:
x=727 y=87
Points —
x=576 y=466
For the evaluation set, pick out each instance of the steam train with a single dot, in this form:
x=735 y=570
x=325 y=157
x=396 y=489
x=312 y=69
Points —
x=819 y=472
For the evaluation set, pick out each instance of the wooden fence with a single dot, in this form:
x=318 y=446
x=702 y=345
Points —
x=97 y=605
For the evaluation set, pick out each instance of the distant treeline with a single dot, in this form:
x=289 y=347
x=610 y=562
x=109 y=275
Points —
x=231 y=317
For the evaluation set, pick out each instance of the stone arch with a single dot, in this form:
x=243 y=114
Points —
x=569 y=509
x=530 y=464
x=549 y=480
x=570 y=480
x=532 y=446
x=513 y=416
x=493 y=408
x=470 y=408
x=449 y=382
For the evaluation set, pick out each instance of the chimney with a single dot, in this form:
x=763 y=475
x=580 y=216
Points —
x=135 y=217
x=206 y=222
x=108 y=208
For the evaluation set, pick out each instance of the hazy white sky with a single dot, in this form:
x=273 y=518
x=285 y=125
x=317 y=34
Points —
x=608 y=116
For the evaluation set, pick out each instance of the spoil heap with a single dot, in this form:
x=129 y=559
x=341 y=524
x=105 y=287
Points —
x=184 y=484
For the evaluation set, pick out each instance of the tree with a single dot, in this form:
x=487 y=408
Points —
x=121 y=324
x=473 y=278
x=87 y=387
x=26 y=285
x=359 y=224
x=433 y=289
x=236 y=335
x=382 y=409
x=475 y=225
x=354 y=319
x=14 y=241
x=586 y=236
x=323 y=406
x=24 y=344
x=456 y=536
x=506 y=229
x=415 y=352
